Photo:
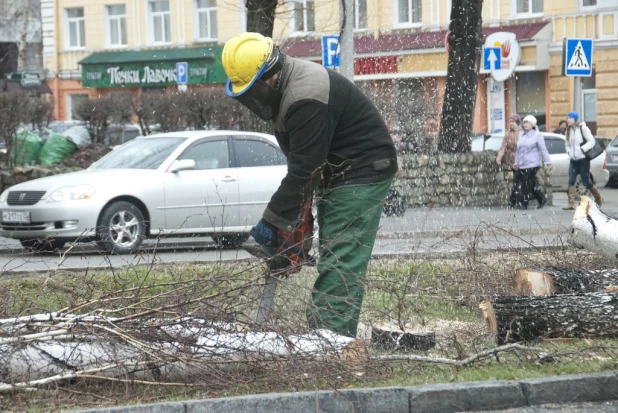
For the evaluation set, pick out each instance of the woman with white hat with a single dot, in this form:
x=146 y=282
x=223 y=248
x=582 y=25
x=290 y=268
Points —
x=531 y=152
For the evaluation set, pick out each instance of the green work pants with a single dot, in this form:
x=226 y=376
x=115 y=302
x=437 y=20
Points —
x=348 y=219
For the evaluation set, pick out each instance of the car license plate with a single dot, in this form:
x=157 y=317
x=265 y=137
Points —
x=16 y=216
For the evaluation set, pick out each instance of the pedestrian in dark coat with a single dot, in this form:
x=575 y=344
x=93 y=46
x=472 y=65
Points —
x=508 y=149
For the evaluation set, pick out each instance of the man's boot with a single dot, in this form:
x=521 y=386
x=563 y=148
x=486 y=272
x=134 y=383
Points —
x=571 y=196
x=597 y=196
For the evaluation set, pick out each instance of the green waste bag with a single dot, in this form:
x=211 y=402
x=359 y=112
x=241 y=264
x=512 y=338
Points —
x=25 y=149
x=56 y=148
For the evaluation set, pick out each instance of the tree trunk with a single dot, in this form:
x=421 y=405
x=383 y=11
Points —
x=514 y=319
x=462 y=76
x=261 y=16
x=594 y=230
x=23 y=40
x=554 y=280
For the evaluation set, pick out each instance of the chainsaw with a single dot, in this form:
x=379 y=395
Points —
x=291 y=253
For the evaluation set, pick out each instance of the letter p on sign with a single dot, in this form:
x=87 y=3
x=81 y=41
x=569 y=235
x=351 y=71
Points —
x=330 y=51
x=182 y=73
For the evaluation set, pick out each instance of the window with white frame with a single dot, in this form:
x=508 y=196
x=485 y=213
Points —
x=360 y=14
x=529 y=6
x=408 y=11
x=206 y=19
x=160 y=21
x=589 y=3
x=76 y=28
x=116 y=16
x=303 y=16
x=74 y=100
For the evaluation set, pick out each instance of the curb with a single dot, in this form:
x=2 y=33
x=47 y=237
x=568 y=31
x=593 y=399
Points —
x=443 y=398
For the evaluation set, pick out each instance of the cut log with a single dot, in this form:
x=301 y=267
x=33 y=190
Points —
x=562 y=280
x=517 y=318
x=595 y=231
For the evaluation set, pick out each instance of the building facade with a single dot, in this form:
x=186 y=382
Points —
x=96 y=46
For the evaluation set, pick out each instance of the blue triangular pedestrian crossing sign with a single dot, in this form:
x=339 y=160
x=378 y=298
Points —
x=577 y=59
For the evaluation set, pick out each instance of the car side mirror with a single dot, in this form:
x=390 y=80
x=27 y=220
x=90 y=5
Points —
x=182 y=165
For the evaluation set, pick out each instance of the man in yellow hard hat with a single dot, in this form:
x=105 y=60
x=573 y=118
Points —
x=338 y=147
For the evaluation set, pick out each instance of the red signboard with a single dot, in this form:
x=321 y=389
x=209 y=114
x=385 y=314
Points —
x=375 y=65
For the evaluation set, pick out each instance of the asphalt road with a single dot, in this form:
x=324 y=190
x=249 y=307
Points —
x=421 y=232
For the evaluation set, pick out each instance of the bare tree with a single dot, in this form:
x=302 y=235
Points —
x=96 y=113
x=261 y=16
x=20 y=25
x=462 y=77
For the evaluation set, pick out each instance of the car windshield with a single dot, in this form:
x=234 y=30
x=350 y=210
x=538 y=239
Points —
x=146 y=153
x=614 y=142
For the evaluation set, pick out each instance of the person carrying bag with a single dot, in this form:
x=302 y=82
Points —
x=581 y=148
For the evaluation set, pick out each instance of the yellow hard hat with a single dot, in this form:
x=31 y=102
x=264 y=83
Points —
x=244 y=59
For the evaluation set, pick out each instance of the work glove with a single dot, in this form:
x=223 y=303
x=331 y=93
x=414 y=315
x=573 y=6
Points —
x=264 y=233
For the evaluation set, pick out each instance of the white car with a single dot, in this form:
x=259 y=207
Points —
x=211 y=183
x=556 y=146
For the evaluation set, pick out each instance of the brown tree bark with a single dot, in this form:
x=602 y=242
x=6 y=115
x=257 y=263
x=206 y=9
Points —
x=261 y=16
x=464 y=42
x=514 y=319
x=555 y=280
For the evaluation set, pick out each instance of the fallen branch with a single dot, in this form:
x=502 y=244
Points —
x=460 y=363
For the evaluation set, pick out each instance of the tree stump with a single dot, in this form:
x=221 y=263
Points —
x=561 y=280
x=517 y=318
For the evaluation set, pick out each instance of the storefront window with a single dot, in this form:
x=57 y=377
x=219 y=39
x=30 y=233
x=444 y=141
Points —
x=73 y=102
x=589 y=101
x=530 y=91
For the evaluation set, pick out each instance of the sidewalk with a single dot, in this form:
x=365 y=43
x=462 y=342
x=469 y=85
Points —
x=447 y=221
x=434 y=398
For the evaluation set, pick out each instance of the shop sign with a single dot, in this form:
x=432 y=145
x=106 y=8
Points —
x=27 y=79
x=501 y=54
x=148 y=74
x=375 y=65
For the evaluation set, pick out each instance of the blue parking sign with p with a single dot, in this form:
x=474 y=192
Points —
x=330 y=51
x=182 y=73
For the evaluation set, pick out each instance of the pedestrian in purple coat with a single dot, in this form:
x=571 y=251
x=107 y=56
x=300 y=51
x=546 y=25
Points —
x=531 y=152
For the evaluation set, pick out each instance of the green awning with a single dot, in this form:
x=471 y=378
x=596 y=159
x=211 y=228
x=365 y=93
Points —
x=154 y=67
x=153 y=55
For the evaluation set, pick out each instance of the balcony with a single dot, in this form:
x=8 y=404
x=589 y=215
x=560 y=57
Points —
x=596 y=26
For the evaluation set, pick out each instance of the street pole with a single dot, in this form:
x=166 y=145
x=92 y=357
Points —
x=346 y=42
x=577 y=99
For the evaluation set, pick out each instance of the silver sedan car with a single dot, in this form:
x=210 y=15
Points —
x=211 y=183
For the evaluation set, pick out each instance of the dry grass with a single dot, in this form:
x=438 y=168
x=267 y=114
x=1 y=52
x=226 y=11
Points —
x=439 y=295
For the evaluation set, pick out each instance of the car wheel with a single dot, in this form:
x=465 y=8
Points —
x=230 y=240
x=42 y=245
x=121 y=228
x=580 y=189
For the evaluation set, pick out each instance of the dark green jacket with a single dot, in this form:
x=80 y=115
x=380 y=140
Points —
x=331 y=133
